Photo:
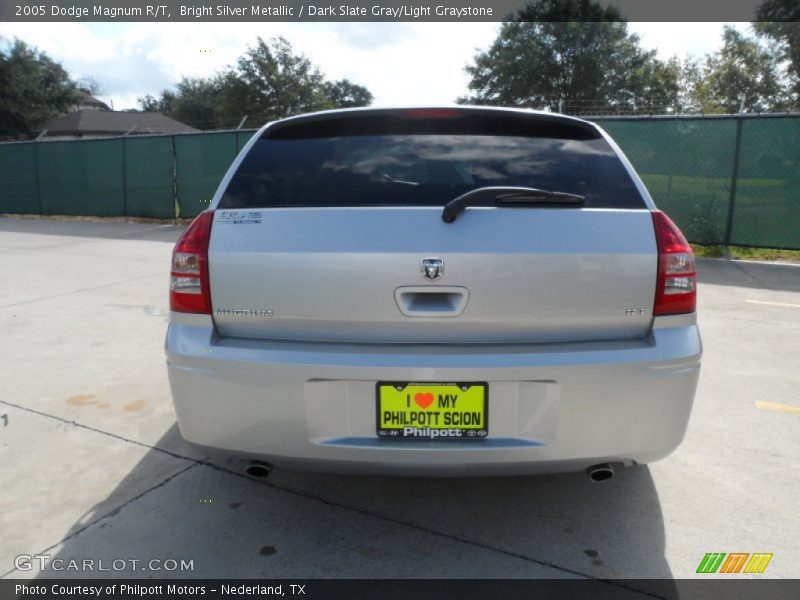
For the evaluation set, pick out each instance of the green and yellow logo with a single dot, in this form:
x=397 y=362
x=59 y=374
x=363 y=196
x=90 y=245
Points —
x=736 y=562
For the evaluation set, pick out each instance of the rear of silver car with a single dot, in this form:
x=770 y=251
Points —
x=325 y=315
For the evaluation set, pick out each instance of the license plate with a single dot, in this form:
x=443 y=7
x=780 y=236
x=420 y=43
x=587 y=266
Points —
x=432 y=411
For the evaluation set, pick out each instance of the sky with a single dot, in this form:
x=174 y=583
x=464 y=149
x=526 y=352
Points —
x=400 y=63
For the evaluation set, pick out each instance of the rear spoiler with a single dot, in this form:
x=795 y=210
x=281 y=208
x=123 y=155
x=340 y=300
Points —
x=443 y=121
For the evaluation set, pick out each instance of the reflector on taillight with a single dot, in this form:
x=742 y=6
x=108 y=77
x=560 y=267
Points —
x=189 y=290
x=676 y=291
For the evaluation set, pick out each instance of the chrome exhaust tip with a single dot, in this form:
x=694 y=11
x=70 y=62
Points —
x=258 y=469
x=601 y=472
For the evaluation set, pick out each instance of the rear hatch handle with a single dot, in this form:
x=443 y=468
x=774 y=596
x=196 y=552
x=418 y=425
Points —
x=431 y=301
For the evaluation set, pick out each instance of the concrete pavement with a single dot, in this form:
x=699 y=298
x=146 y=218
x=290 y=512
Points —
x=93 y=466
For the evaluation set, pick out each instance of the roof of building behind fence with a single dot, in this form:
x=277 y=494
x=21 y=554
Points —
x=88 y=122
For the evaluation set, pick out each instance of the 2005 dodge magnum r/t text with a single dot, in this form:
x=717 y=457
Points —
x=449 y=291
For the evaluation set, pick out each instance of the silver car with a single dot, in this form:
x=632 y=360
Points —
x=433 y=291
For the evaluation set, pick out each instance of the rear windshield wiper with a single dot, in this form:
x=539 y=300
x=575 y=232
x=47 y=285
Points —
x=508 y=196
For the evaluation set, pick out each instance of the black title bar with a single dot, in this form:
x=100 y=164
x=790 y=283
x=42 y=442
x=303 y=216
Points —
x=710 y=587
x=360 y=10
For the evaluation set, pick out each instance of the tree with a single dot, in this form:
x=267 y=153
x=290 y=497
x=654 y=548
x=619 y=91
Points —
x=694 y=93
x=91 y=85
x=33 y=89
x=276 y=82
x=779 y=22
x=150 y=103
x=661 y=83
x=742 y=68
x=571 y=52
x=270 y=81
x=194 y=102
x=345 y=94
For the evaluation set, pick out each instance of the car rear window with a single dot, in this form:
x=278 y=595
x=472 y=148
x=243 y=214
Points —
x=384 y=161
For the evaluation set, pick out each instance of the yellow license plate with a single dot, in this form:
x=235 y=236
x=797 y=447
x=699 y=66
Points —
x=432 y=411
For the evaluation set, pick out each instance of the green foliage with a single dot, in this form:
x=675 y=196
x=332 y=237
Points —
x=33 y=89
x=570 y=52
x=194 y=102
x=578 y=56
x=269 y=81
x=741 y=69
x=779 y=23
x=275 y=82
x=746 y=253
x=345 y=94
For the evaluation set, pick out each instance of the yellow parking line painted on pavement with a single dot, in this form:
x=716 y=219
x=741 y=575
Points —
x=786 y=304
x=778 y=407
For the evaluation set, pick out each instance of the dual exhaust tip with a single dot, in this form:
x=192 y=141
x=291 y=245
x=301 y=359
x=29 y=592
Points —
x=599 y=473
x=258 y=469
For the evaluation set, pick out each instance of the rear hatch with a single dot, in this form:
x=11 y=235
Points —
x=331 y=230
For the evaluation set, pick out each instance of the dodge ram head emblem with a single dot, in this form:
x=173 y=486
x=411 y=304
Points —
x=432 y=268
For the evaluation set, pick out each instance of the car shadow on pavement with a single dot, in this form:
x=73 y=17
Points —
x=305 y=525
x=739 y=273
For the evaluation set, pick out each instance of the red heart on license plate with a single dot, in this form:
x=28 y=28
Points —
x=423 y=400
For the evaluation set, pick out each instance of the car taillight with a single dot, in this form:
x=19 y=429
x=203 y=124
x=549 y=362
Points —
x=676 y=287
x=188 y=289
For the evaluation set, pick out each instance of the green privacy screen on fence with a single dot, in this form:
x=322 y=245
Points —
x=149 y=177
x=724 y=180
x=82 y=178
x=201 y=163
x=688 y=165
x=156 y=176
x=767 y=207
x=18 y=179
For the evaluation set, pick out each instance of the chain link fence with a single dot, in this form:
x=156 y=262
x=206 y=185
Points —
x=727 y=180
x=157 y=176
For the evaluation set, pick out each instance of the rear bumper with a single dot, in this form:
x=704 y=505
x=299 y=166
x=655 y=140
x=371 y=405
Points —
x=552 y=407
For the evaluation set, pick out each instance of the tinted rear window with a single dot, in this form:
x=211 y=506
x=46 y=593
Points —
x=397 y=162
